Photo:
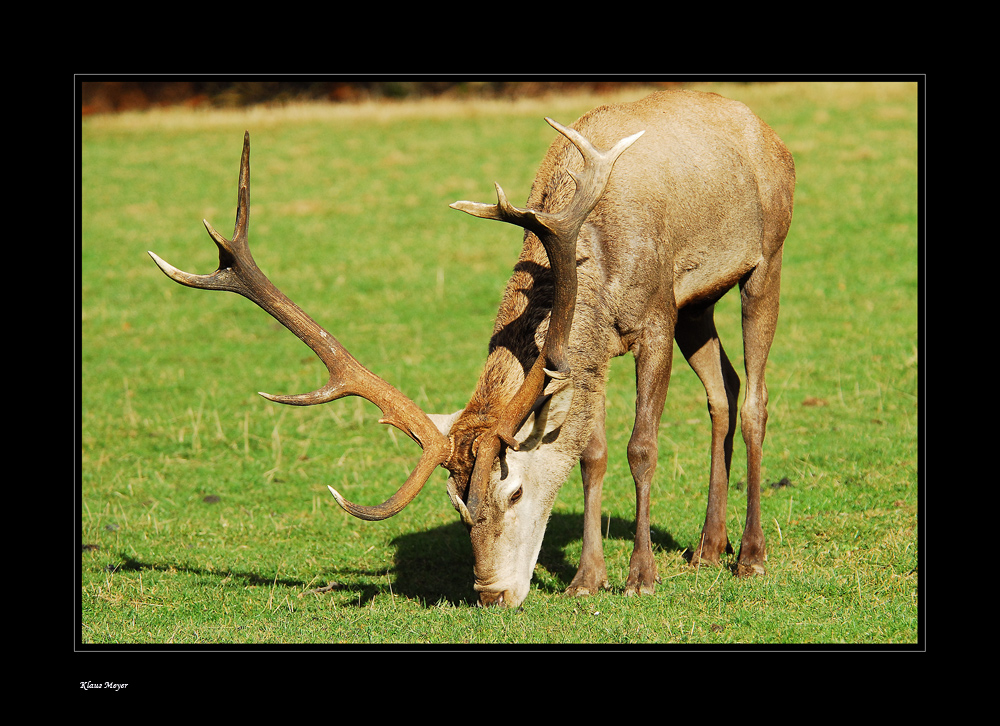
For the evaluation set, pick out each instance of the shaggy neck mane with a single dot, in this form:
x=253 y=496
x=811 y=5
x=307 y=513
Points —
x=519 y=331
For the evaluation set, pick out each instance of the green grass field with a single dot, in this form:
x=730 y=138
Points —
x=204 y=512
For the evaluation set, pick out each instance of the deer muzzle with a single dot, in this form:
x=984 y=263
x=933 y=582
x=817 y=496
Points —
x=493 y=599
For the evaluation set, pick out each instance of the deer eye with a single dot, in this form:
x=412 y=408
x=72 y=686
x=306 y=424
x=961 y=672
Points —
x=515 y=496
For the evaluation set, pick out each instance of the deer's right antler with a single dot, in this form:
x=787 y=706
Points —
x=239 y=273
x=558 y=233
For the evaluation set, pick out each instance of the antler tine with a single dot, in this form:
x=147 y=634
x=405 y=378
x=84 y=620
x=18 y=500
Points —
x=238 y=272
x=596 y=173
x=558 y=234
x=406 y=494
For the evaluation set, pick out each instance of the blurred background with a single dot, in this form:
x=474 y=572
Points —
x=115 y=96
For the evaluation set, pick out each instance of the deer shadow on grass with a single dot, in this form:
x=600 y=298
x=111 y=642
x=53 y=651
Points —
x=432 y=566
x=435 y=566
x=132 y=563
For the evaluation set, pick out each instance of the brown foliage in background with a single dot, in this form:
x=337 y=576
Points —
x=115 y=96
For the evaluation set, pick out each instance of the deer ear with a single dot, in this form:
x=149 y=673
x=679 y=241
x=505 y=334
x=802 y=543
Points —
x=444 y=421
x=547 y=415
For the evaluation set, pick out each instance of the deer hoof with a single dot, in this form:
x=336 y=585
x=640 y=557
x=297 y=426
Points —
x=588 y=583
x=749 y=569
x=640 y=585
x=639 y=589
x=586 y=590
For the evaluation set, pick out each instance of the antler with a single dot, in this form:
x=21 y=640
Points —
x=558 y=233
x=239 y=273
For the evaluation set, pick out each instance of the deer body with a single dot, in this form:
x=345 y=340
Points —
x=699 y=201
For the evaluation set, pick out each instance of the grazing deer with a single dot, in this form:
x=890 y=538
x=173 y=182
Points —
x=625 y=250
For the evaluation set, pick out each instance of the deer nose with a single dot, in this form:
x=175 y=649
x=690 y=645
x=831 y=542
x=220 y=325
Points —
x=492 y=599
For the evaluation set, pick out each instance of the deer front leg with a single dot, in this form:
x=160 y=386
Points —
x=699 y=342
x=653 y=359
x=592 y=574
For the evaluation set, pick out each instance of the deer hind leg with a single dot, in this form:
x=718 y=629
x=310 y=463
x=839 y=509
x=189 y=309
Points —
x=653 y=358
x=759 y=292
x=699 y=342
x=592 y=574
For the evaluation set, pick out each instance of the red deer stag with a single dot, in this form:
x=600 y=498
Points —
x=699 y=201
